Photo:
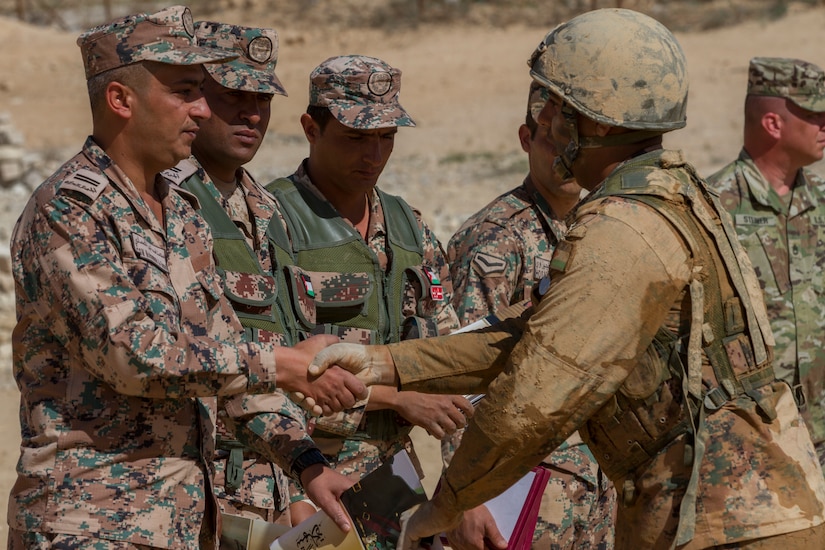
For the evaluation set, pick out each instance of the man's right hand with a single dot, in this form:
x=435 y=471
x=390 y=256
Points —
x=478 y=524
x=370 y=364
x=336 y=390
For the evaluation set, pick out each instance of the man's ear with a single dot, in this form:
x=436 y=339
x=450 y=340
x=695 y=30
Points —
x=772 y=124
x=311 y=129
x=524 y=138
x=120 y=99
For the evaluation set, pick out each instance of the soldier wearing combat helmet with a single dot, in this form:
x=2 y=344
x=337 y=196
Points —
x=651 y=337
x=778 y=208
x=377 y=272
x=125 y=335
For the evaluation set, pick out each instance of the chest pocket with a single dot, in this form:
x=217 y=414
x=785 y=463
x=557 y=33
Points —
x=252 y=295
x=340 y=297
x=767 y=251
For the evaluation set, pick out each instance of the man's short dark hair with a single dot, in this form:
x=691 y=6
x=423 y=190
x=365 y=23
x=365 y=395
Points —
x=321 y=115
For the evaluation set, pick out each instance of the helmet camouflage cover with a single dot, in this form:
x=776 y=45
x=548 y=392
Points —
x=617 y=67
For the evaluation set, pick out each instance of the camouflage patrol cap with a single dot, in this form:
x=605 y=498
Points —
x=167 y=36
x=254 y=68
x=360 y=91
x=794 y=79
x=537 y=99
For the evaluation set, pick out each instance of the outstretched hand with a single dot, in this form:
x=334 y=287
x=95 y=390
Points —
x=331 y=392
x=371 y=364
x=324 y=486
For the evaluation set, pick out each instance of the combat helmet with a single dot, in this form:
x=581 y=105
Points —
x=617 y=67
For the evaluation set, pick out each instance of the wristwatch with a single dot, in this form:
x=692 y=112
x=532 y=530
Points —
x=305 y=460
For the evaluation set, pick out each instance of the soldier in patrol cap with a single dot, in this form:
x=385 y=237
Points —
x=778 y=208
x=377 y=272
x=496 y=258
x=125 y=336
x=651 y=337
x=238 y=209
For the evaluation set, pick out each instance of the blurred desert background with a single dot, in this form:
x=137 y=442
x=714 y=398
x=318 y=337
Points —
x=464 y=81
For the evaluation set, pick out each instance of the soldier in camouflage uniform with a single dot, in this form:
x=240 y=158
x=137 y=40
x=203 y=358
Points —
x=124 y=334
x=238 y=210
x=496 y=258
x=778 y=209
x=651 y=338
x=376 y=271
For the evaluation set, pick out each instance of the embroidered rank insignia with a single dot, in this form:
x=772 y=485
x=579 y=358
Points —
x=180 y=173
x=541 y=268
x=86 y=182
x=149 y=252
x=487 y=265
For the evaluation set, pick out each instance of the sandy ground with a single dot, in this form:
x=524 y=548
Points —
x=465 y=87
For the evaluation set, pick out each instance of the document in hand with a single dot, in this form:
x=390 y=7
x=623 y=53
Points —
x=374 y=505
x=516 y=510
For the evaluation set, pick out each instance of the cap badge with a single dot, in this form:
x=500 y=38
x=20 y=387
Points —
x=260 y=49
x=379 y=83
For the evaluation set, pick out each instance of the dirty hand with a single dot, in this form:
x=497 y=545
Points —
x=420 y=522
x=370 y=364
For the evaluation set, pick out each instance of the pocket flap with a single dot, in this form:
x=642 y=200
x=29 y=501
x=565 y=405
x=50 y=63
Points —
x=250 y=288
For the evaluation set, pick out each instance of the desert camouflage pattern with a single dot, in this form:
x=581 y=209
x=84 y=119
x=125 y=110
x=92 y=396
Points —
x=496 y=258
x=257 y=50
x=123 y=338
x=785 y=244
x=167 y=36
x=361 y=453
x=800 y=81
x=758 y=479
x=362 y=92
x=650 y=91
x=271 y=426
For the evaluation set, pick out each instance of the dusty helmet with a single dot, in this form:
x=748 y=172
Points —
x=617 y=67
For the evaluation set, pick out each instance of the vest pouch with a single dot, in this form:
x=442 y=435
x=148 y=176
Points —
x=340 y=297
x=626 y=433
x=252 y=295
x=423 y=292
x=302 y=295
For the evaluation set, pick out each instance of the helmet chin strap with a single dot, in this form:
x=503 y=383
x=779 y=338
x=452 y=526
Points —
x=563 y=163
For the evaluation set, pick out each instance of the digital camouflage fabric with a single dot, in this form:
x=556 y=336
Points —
x=784 y=242
x=167 y=36
x=272 y=427
x=620 y=278
x=257 y=50
x=800 y=81
x=361 y=92
x=124 y=338
x=496 y=258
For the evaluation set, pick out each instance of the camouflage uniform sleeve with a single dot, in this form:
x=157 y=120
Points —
x=436 y=259
x=272 y=425
x=626 y=269
x=485 y=267
x=121 y=315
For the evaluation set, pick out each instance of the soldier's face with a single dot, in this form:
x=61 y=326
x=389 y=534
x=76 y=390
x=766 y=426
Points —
x=168 y=113
x=347 y=159
x=232 y=136
x=541 y=151
x=803 y=134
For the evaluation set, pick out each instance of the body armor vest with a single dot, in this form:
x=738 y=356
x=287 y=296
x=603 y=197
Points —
x=260 y=299
x=354 y=298
x=725 y=338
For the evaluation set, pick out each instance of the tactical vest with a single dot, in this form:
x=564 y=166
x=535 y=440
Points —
x=260 y=299
x=664 y=397
x=354 y=298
